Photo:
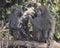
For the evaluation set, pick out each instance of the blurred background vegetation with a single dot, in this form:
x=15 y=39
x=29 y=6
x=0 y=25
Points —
x=5 y=11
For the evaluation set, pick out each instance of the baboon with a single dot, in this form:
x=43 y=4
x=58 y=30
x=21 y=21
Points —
x=43 y=24
x=18 y=24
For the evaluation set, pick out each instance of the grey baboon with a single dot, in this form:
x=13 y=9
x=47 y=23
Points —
x=18 y=24
x=43 y=24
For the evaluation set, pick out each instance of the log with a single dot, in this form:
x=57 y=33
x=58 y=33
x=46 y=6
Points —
x=25 y=43
x=29 y=44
